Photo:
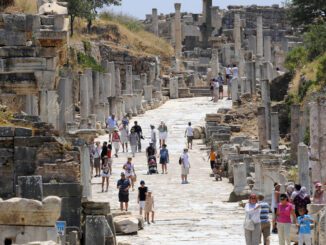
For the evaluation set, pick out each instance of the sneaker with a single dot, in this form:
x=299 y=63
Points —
x=186 y=182
x=183 y=182
x=274 y=231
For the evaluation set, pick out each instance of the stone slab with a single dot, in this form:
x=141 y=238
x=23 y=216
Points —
x=7 y=131
x=62 y=189
x=25 y=132
x=30 y=187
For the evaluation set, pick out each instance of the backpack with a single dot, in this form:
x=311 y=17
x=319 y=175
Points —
x=180 y=160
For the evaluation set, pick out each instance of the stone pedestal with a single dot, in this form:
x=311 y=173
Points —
x=252 y=44
x=137 y=83
x=143 y=80
x=127 y=98
x=275 y=132
x=107 y=79
x=174 y=88
x=31 y=105
x=100 y=113
x=261 y=128
x=215 y=65
x=120 y=108
x=139 y=104
x=241 y=189
x=303 y=163
x=158 y=95
x=177 y=30
x=30 y=187
x=295 y=126
x=97 y=230
x=148 y=93
x=251 y=75
x=134 y=105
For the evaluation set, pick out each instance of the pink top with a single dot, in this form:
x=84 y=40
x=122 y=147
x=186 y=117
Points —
x=284 y=213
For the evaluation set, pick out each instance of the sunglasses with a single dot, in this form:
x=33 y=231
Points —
x=282 y=199
x=254 y=198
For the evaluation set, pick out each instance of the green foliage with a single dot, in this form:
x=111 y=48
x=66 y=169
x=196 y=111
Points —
x=315 y=40
x=321 y=70
x=303 y=89
x=296 y=58
x=87 y=46
x=303 y=12
x=126 y=20
x=306 y=138
x=88 y=61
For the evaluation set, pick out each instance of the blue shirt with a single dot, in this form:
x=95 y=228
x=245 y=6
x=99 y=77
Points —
x=123 y=184
x=111 y=122
x=264 y=212
x=304 y=224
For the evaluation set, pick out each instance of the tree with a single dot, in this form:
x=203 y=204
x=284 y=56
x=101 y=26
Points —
x=94 y=5
x=76 y=8
x=306 y=11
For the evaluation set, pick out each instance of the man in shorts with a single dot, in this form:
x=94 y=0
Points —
x=111 y=124
x=185 y=166
x=142 y=190
x=189 y=133
x=123 y=185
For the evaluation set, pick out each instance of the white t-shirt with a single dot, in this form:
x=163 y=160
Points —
x=185 y=160
x=190 y=131
x=228 y=71
x=235 y=72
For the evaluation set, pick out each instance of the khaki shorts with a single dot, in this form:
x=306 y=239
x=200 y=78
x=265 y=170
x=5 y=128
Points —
x=190 y=138
x=184 y=171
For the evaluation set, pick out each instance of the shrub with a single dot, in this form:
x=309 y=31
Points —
x=89 y=62
x=296 y=58
x=128 y=21
x=303 y=89
x=314 y=40
x=321 y=70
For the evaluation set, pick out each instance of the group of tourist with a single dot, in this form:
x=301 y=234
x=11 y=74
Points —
x=287 y=208
x=119 y=134
x=216 y=84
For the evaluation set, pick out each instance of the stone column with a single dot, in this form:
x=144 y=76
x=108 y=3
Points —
x=53 y=108
x=237 y=35
x=275 y=131
x=295 y=126
x=151 y=74
x=148 y=93
x=266 y=102
x=96 y=88
x=134 y=105
x=259 y=37
x=207 y=28
x=43 y=94
x=251 y=76
x=303 y=163
x=31 y=106
x=143 y=80
x=129 y=88
x=261 y=128
x=89 y=74
x=117 y=82
x=235 y=90
x=66 y=105
x=85 y=172
x=174 y=88
x=177 y=30
x=113 y=80
x=268 y=48
x=215 y=65
x=127 y=98
x=252 y=41
x=84 y=101
x=107 y=80
x=154 y=22
x=137 y=85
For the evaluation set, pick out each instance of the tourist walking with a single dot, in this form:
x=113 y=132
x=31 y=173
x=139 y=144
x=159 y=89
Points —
x=150 y=151
x=105 y=176
x=133 y=140
x=139 y=132
x=301 y=200
x=216 y=87
x=296 y=191
x=163 y=133
x=97 y=150
x=252 y=226
x=91 y=148
x=104 y=156
x=318 y=197
x=185 y=166
x=125 y=121
x=211 y=88
x=153 y=136
x=284 y=212
x=116 y=141
x=142 y=190
x=111 y=124
x=274 y=204
x=303 y=224
x=164 y=158
x=123 y=185
x=289 y=191
x=264 y=219
x=212 y=158
x=130 y=173
x=124 y=137
x=189 y=133
x=149 y=206
x=220 y=81
x=228 y=78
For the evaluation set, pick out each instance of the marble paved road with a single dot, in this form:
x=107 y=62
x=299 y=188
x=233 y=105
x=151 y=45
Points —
x=196 y=213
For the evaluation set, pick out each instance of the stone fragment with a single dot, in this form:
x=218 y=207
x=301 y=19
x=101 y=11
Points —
x=126 y=224
x=30 y=187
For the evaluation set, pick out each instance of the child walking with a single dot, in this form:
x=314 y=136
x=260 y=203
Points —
x=149 y=206
x=304 y=221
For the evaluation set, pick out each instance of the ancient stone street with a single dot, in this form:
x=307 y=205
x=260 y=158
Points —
x=185 y=214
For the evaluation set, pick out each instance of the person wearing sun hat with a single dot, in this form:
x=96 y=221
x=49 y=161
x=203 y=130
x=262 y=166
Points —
x=318 y=197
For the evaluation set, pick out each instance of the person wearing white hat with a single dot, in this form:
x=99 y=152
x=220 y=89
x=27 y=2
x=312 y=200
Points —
x=163 y=133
